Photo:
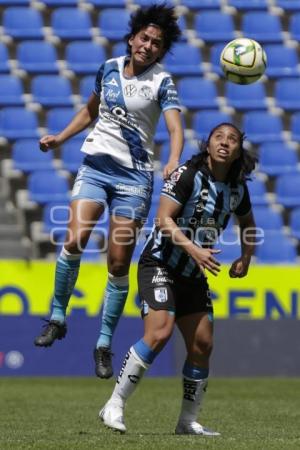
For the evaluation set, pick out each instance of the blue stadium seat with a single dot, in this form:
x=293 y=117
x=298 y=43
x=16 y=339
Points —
x=262 y=26
x=71 y=23
x=215 y=53
x=204 y=121
x=275 y=249
x=27 y=156
x=287 y=189
x=58 y=3
x=282 y=61
x=229 y=244
x=189 y=150
x=113 y=23
x=23 y=23
x=184 y=60
x=71 y=155
x=58 y=118
x=108 y=3
x=51 y=90
x=252 y=5
x=244 y=98
x=267 y=218
x=4 y=59
x=18 y=123
x=14 y=2
x=56 y=217
x=161 y=133
x=11 y=91
x=46 y=186
x=288 y=5
x=86 y=87
x=37 y=57
x=183 y=27
x=258 y=192
x=295 y=127
x=295 y=222
x=276 y=158
x=262 y=126
x=287 y=94
x=214 y=26
x=197 y=93
x=294 y=26
x=195 y=5
x=119 y=49
x=84 y=57
x=150 y=2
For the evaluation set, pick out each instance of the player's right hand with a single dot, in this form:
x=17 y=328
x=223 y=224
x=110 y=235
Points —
x=206 y=260
x=48 y=142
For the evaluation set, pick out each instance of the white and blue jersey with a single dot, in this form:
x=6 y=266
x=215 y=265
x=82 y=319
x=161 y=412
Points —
x=128 y=113
x=207 y=205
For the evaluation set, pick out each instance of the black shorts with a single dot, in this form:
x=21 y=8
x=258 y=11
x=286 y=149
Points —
x=160 y=289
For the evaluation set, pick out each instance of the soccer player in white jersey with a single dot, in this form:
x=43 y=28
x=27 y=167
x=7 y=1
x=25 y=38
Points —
x=130 y=93
x=196 y=203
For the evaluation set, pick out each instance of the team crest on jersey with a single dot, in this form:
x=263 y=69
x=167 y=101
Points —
x=146 y=92
x=234 y=198
x=161 y=295
x=177 y=174
x=130 y=90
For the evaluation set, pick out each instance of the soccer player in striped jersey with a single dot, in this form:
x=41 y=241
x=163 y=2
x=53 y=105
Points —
x=130 y=94
x=195 y=206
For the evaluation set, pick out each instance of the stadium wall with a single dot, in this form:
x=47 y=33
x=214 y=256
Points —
x=256 y=327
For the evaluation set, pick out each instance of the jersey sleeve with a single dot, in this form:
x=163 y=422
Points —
x=167 y=95
x=244 y=206
x=179 y=185
x=98 y=80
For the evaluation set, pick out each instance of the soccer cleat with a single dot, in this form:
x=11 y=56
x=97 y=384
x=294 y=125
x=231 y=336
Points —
x=103 y=366
x=112 y=416
x=194 y=428
x=53 y=330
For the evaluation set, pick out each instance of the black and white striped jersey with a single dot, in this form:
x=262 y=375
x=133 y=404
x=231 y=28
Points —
x=206 y=208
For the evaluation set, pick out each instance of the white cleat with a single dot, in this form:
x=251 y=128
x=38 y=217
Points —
x=194 y=428
x=112 y=416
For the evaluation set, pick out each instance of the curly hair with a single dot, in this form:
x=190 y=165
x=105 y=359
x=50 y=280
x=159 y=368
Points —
x=161 y=15
x=241 y=168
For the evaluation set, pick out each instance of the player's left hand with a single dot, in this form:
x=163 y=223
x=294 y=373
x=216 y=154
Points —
x=169 y=168
x=239 y=268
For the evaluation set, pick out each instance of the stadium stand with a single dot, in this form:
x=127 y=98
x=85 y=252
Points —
x=37 y=57
x=11 y=91
x=49 y=55
x=197 y=93
x=262 y=26
x=4 y=57
x=283 y=61
x=276 y=248
x=23 y=23
x=214 y=26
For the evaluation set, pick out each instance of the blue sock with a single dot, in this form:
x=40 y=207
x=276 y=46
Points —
x=196 y=373
x=145 y=352
x=114 y=301
x=67 y=269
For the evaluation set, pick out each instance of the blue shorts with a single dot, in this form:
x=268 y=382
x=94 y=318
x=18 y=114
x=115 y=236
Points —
x=127 y=192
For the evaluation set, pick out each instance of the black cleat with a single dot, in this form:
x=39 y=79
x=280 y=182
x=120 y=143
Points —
x=53 y=330
x=103 y=367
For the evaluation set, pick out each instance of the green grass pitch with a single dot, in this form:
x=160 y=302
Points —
x=62 y=413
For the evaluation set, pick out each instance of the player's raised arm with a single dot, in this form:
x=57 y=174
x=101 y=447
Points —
x=174 y=126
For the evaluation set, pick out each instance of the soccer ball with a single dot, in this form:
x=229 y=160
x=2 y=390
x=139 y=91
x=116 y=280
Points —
x=243 y=61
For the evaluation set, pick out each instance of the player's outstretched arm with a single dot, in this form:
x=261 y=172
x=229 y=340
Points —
x=84 y=118
x=175 y=129
x=240 y=266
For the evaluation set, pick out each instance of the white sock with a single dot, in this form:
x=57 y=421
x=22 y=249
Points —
x=193 y=393
x=132 y=371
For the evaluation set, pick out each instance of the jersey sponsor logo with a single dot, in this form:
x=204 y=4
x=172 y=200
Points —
x=112 y=82
x=128 y=189
x=146 y=92
x=189 y=388
x=161 y=295
x=169 y=188
x=130 y=90
x=161 y=276
x=118 y=111
x=203 y=199
x=112 y=94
